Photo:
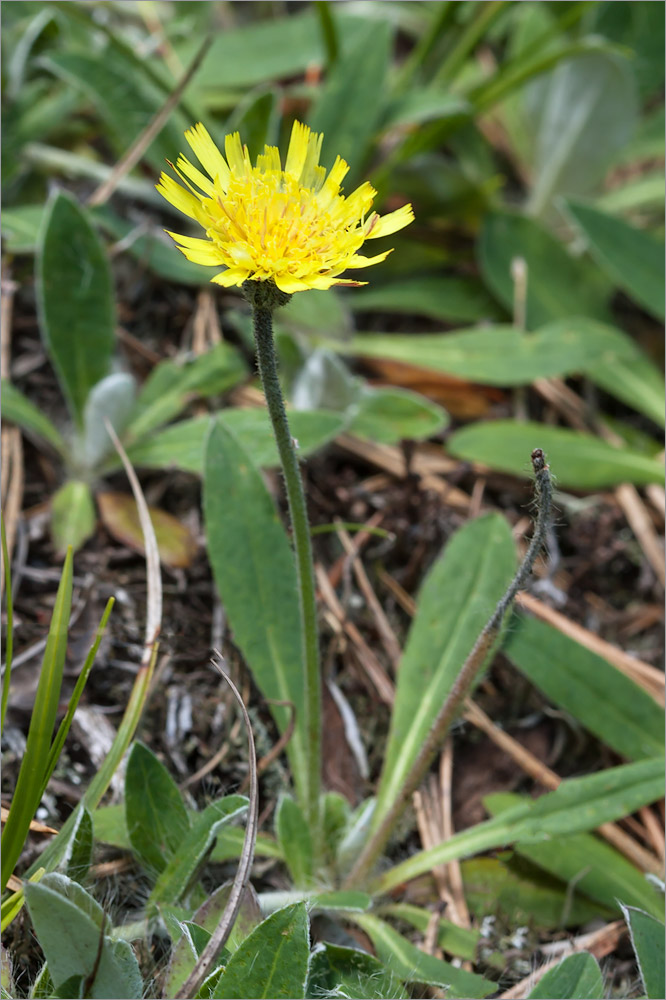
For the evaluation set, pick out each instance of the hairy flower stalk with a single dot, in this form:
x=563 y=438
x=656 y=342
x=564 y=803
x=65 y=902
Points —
x=465 y=679
x=274 y=231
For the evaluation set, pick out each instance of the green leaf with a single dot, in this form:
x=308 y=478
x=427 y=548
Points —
x=257 y=117
x=640 y=194
x=324 y=382
x=572 y=151
x=255 y=574
x=69 y=923
x=69 y=830
x=558 y=285
x=423 y=105
x=73 y=515
x=460 y=941
x=75 y=298
x=335 y=818
x=182 y=445
x=578 y=805
x=631 y=258
x=585 y=860
x=503 y=355
x=338 y=971
x=42 y=988
x=294 y=837
x=78 y=856
x=111 y=399
x=578 y=460
x=315 y=312
x=578 y=977
x=182 y=867
x=601 y=697
x=156 y=817
x=110 y=828
x=272 y=961
x=29 y=790
x=183 y=957
x=457 y=598
x=172 y=384
x=342 y=900
x=647 y=938
x=440 y=297
x=350 y=105
x=641 y=29
x=411 y=964
x=391 y=415
x=637 y=382
x=249 y=915
x=20 y=228
x=72 y=987
x=17 y=408
x=125 y=97
x=524 y=897
x=152 y=249
x=259 y=51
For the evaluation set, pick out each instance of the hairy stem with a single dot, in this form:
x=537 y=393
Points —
x=263 y=331
x=464 y=681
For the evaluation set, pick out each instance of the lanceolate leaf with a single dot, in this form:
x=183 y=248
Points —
x=125 y=97
x=272 y=961
x=494 y=885
x=208 y=915
x=294 y=837
x=605 y=700
x=581 y=460
x=29 y=786
x=193 y=849
x=457 y=598
x=17 y=408
x=75 y=297
x=578 y=977
x=503 y=355
x=647 y=937
x=389 y=415
x=578 y=805
x=255 y=574
x=633 y=259
x=73 y=515
x=182 y=445
x=598 y=871
x=334 y=968
x=69 y=923
x=171 y=385
x=572 y=149
x=352 y=99
x=411 y=964
x=157 y=820
x=558 y=286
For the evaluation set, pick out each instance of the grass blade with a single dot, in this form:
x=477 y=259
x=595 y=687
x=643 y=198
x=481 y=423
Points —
x=64 y=727
x=9 y=640
x=29 y=785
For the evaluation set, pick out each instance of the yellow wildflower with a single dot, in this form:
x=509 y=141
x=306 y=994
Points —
x=291 y=226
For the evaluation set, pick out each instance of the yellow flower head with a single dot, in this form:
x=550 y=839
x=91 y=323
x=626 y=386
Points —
x=291 y=226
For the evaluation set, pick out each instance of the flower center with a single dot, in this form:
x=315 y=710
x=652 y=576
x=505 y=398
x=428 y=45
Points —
x=269 y=219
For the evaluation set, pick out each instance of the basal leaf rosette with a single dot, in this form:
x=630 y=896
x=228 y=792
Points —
x=291 y=226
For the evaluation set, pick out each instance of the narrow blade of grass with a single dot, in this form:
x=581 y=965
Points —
x=63 y=729
x=29 y=785
x=9 y=640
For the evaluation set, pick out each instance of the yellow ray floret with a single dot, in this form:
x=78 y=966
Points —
x=264 y=223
